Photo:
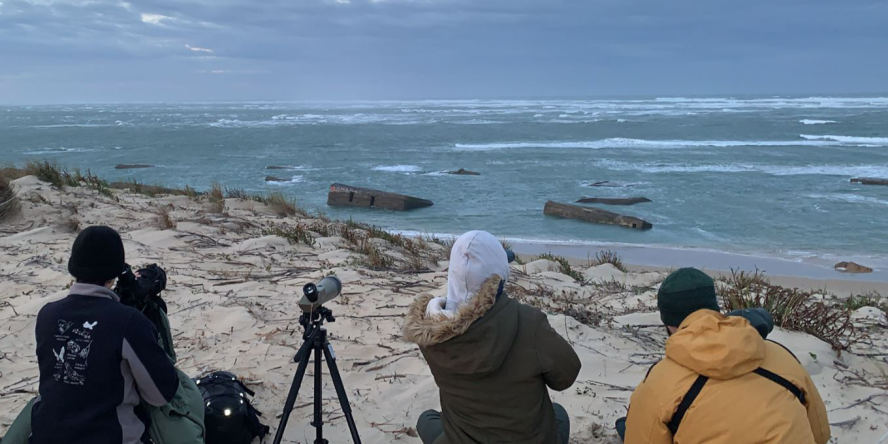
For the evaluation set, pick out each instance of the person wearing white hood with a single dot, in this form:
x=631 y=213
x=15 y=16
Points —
x=491 y=356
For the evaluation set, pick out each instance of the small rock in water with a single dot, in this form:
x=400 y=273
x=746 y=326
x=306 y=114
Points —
x=274 y=179
x=123 y=166
x=851 y=267
x=465 y=172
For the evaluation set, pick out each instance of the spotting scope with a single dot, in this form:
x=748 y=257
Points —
x=316 y=295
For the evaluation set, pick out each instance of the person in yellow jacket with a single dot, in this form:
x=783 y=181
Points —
x=721 y=382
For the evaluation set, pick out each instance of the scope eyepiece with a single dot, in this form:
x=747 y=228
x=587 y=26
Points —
x=311 y=292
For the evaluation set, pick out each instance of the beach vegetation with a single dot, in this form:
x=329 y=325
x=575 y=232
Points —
x=164 y=220
x=872 y=299
x=608 y=257
x=294 y=234
x=216 y=198
x=237 y=193
x=282 y=205
x=93 y=182
x=9 y=202
x=190 y=192
x=562 y=265
x=791 y=308
x=47 y=172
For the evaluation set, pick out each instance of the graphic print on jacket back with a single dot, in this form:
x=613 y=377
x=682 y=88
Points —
x=73 y=347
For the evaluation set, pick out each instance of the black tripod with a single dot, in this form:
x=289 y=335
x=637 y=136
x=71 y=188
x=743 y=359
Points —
x=316 y=339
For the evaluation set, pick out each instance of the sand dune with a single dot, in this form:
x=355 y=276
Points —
x=232 y=297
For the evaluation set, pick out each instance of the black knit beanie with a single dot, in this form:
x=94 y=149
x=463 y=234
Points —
x=97 y=255
x=684 y=292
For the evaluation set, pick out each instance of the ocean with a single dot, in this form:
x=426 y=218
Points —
x=764 y=176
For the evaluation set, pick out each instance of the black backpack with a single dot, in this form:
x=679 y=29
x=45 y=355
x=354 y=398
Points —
x=229 y=417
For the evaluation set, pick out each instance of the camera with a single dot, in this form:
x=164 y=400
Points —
x=135 y=291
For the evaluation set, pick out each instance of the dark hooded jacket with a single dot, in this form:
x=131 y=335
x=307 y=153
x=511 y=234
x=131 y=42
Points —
x=492 y=362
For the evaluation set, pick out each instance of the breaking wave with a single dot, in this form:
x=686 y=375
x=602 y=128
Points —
x=398 y=168
x=620 y=142
x=774 y=170
x=294 y=179
x=849 y=139
x=816 y=122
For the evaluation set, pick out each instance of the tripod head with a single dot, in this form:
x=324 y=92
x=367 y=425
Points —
x=313 y=320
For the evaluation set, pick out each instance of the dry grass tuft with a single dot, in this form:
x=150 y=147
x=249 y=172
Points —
x=563 y=267
x=295 y=234
x=282 y=205
x=791 y=308
x=216 y=198
x=47 y=172
x=9 y=202
x=164 y=219
x=237 y=193
x=608 y=257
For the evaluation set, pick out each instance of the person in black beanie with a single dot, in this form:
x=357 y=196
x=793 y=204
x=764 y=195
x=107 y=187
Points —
x=98 y=359
x=721 y=382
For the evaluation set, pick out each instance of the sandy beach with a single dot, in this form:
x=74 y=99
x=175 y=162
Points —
x=235 y=279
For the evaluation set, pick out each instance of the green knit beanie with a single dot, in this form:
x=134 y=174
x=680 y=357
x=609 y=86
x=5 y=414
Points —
x=684 y=292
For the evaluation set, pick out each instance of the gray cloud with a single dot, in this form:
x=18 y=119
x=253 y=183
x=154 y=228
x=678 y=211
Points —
x=111 y=50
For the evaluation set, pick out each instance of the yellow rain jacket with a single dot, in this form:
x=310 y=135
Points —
x=735 y=405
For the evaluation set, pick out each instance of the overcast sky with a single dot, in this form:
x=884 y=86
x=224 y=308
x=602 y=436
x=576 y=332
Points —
x=56 y=51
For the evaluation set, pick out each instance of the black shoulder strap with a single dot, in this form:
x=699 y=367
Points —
x=650 y=370
x=686 y=402
x=783 y=382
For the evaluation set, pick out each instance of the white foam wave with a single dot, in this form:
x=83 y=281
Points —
x=877 y=141
x=477 y=122
x=620 y=142
x=60 y=150
x=76 y=125
x=774 y=170
x=398 y=168
x=850 y=198
x=816 y=122
x=294 y=179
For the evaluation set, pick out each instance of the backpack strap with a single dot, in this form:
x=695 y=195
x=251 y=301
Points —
x=686 y=402
x=783 y=382
x=787 y=350
x=650 y=370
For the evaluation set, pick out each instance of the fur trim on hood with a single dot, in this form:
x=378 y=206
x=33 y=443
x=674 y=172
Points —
x=425 y=330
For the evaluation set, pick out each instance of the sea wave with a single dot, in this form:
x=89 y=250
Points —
x=866 y=141
x=816 y=122
x=850 y=198
x=620 y=142
x=774 y=170
x=294 y=179
x=60 y=150
x=398 y=168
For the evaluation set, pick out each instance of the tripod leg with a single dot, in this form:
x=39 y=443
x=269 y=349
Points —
x=340 y=392
x=291 y=397
x=318 y=400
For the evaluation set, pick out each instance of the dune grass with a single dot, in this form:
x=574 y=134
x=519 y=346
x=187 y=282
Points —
x=9 y=202
x=791 y=308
